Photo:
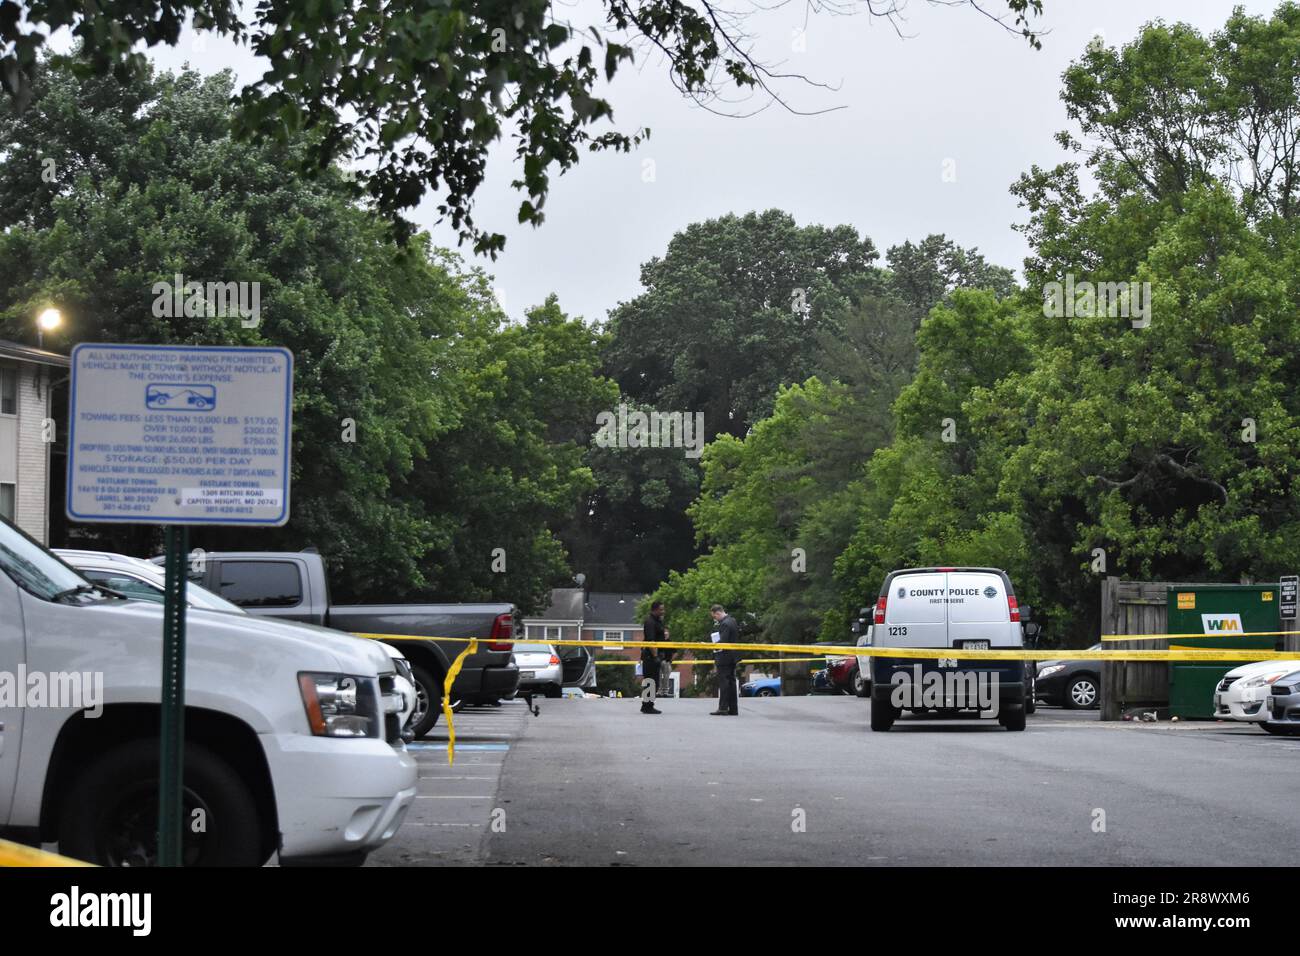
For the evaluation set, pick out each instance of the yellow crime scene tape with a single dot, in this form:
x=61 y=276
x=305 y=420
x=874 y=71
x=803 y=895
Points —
x=1110 y=638
x=917 y=653
x=16 y=854
x=910 y=653
x=452 y=673
x=697 y=662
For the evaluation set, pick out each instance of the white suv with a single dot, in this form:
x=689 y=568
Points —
x=292 y=735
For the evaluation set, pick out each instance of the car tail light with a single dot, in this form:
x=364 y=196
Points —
x=1014 y=608
x=879 y=616
x=555 y=658
x=503 y=632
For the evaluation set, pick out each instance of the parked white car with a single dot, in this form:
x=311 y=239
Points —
x=143 y=580
x=137 y=578
x=540 y=669
x=1242 y=692
x=293 y=739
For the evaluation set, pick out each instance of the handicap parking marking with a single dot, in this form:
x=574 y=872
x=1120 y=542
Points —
x=443 y=747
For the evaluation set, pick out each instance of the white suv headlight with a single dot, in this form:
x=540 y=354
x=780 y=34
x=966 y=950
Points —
x=339 y=705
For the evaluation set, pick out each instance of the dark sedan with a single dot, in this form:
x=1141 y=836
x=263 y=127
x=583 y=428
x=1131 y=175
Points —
x=1072 y=684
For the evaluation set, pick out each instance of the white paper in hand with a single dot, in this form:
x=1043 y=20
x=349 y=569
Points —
x=715 y=636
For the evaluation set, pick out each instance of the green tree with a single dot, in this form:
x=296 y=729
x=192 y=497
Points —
x=420 y=92
x=632 y=528
x=512 y=468
x=731 y=312
x=426 y=433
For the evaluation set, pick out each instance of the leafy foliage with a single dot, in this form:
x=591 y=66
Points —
x=467 y=435
x=418 y=92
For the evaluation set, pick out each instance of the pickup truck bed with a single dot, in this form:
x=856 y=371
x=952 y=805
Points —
x=292 y=586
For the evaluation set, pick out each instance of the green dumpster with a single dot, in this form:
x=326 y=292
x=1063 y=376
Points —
x=1223 y=613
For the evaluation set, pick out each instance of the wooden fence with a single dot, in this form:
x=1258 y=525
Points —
x=1138 y=607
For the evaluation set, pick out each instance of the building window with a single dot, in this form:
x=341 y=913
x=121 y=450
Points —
x=8 y=501
x=8 y=390
x=553 y=633
x=611 y=637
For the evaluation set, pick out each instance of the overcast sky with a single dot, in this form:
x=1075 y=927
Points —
x=957 y=88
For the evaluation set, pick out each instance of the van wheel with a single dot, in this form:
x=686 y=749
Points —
x=1013 y=719
x=883 y=713
x=428 y=701
x=110 y=814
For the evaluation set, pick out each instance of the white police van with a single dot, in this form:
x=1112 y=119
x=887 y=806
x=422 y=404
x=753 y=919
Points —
x=957 y=608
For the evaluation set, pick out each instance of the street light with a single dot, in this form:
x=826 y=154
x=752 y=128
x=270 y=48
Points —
x=47 y=321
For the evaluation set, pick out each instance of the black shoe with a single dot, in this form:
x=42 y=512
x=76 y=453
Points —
x=719 y=713
x=651 y=710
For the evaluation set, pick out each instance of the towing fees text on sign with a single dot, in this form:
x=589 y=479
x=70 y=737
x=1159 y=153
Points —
x=165 y=434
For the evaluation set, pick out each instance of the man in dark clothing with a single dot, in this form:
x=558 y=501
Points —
x=728 y=632
x=654 y=630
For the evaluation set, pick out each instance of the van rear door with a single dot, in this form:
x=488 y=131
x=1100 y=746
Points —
x=915 y=615
x=978 y=610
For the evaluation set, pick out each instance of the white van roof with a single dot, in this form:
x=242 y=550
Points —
x=1006 y=580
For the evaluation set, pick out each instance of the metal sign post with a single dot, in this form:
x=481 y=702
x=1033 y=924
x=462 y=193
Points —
x=171 y=758
x=178 y=435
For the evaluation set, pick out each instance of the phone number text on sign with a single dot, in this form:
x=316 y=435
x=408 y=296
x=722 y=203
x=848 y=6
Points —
x=163 y=434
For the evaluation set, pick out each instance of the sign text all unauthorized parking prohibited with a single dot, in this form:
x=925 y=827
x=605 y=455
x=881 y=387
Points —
x=164 y=434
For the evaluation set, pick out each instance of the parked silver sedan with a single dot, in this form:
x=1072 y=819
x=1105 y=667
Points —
x=540 y=670
x=1283 y=706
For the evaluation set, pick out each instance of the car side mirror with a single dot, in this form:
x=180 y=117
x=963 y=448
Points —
x=856 y=627
x=1026 y=613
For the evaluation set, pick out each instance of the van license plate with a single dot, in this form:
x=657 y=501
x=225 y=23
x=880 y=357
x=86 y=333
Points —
x=975 y=645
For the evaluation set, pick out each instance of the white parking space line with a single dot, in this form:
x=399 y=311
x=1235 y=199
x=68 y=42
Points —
x=445 y=825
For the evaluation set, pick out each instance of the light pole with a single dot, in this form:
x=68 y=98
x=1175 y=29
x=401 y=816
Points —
x=47 y=321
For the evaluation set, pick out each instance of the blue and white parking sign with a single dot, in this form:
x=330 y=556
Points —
x=173 y=434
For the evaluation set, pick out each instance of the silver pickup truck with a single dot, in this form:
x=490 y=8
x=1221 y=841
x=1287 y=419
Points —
x=292 y=586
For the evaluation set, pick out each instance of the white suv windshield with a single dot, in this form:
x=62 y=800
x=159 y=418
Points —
x=33 y=568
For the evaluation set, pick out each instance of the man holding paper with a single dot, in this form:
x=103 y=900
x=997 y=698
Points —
x=726 y=632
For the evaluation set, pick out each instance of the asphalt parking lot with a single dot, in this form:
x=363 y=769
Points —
x=594 y=782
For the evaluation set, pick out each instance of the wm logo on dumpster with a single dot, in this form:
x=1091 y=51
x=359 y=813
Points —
x=1222 y=624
